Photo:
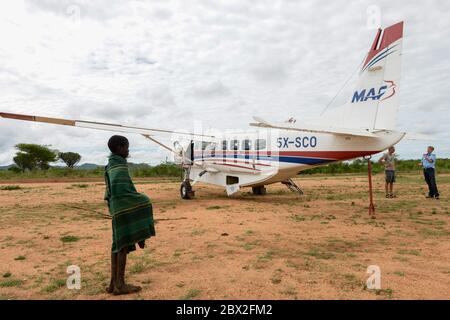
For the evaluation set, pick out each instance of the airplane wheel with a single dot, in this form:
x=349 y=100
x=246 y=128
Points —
x=259 y=190
x=186 y=190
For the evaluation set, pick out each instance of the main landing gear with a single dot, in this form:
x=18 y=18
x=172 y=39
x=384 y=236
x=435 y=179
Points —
x=292 y=186
x=261 y=190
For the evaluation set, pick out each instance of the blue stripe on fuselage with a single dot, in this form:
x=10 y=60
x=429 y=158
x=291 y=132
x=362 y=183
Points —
x=300 y=160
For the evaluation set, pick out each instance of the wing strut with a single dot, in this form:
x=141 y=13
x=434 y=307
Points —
x=159 y=143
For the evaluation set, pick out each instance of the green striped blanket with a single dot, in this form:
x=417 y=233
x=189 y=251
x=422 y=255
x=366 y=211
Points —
x=132 y=215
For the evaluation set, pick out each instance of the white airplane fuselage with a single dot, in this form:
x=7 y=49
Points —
x=283 y=155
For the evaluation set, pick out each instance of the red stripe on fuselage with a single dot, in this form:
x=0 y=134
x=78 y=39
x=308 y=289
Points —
x=335 y=155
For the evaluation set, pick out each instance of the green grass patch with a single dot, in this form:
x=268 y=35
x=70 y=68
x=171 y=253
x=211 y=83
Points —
x=267 y=256
x=10 y=283
x=409 y=252
x=10 y=188
x=67 y=239
x=197 y=232
x=297 y=217
x=215 y=208
x=190 y=294
x=320 y=254
x=384 y=292
x=137 y=267
x=177 y=253
x=289 y=291
x=434 y=233
x=250 y=245
x=54 y=285
x=81 y=186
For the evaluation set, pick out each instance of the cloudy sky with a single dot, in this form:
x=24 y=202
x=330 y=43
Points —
x=171 y=64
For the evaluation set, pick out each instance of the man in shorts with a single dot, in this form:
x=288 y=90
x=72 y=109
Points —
x=388 y=160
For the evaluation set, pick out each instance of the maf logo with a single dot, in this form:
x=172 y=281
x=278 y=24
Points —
x=387 y=89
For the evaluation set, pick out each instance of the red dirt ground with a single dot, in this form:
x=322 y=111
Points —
x=278 y=246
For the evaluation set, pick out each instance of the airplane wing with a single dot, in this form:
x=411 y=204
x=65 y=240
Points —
x=103 y=126
x=339 y=131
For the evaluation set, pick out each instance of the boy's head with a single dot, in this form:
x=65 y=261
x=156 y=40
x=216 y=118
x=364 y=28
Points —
x=430 y=149
x=119 y=146
x=391 y=150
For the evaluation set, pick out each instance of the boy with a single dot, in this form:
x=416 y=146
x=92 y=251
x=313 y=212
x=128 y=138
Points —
x=132 y=215
x=388 y=159
x=429 y=164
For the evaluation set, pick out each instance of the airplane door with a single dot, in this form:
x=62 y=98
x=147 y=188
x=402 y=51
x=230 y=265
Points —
x=189 y=154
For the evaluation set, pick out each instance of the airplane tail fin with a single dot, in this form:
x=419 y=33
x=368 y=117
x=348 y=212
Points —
x=374 y=102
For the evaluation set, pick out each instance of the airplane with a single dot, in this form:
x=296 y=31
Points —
x=275 y=152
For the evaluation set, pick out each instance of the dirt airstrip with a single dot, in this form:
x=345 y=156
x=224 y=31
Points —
x=278 y=246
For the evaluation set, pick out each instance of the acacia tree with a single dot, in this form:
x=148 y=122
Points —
x=70 y=158
x=34 y=156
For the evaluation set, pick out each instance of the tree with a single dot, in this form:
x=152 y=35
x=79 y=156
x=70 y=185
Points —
x=69 y=158
x=34 y=156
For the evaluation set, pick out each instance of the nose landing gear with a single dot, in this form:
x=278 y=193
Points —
x=186 y=191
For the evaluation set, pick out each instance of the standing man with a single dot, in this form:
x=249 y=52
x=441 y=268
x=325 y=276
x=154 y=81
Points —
x=429 y=164
x=388 y=160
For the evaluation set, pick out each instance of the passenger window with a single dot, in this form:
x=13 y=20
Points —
x=260 y=144
x=224 y=145
x=212 y=149
x=246 y=144
x=234 y=144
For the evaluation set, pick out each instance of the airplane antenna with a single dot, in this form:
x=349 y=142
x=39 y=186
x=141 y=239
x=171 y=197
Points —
x=345 y=83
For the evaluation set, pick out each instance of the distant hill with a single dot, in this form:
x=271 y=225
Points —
x=88 y=166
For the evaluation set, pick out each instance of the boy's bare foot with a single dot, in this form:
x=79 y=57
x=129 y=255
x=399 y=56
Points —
x=110 y=288
x=120 y=287
x=126 y=289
